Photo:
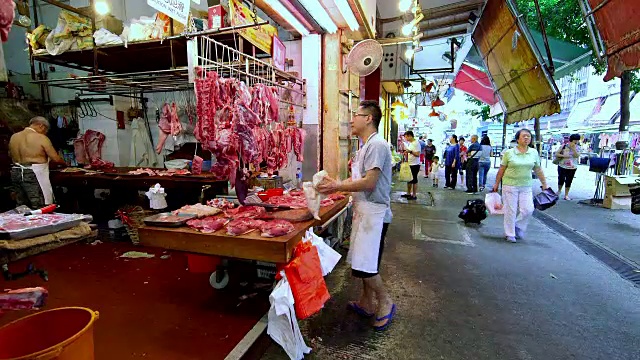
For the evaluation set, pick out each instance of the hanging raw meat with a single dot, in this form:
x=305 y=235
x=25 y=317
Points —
x=7 y=14
x=165 y=127
x=176 y=126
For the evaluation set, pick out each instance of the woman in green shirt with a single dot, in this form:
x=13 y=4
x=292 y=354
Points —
x=517 y=195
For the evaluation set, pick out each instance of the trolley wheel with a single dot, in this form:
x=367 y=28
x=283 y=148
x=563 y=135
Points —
x=221 y=283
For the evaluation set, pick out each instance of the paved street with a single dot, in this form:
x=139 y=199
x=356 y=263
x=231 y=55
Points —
x=464 y=293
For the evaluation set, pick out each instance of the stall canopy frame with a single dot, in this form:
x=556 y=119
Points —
x=520 y=77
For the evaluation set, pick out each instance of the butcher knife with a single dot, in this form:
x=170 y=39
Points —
x=45 y=210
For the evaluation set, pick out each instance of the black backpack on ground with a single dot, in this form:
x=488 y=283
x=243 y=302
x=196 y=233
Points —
x=474 y=212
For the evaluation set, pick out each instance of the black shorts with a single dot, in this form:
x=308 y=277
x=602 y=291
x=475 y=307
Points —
x=415 y=170
x=365 y=275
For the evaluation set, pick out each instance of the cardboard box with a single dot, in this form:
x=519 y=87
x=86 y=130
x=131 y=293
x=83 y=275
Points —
x=617 y=202
x=619 y=185
x=108 y=22
x=217 y=17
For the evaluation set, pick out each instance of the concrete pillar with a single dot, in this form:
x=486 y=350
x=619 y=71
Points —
x=331 y=70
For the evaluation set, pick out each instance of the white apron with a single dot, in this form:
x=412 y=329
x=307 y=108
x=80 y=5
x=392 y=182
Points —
x=366 y=229
x=42 y=175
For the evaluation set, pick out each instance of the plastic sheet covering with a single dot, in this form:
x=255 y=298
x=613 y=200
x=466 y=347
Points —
x=619 y=24
x=524 y=85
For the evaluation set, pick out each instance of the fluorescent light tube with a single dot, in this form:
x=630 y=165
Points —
x=347 y=14
x=316 y=11
x=287 y=16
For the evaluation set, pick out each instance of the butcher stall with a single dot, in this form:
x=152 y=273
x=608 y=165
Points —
x=266 y=233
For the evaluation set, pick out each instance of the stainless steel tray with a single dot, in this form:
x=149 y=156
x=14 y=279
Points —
x=69 y=221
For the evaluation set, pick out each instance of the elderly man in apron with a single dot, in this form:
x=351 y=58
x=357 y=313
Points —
x=370 y=184
x=31 y=150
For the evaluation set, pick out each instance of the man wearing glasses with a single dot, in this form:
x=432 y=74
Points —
x=370 y=185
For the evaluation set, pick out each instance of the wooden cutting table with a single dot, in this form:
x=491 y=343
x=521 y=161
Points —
x=250 y=246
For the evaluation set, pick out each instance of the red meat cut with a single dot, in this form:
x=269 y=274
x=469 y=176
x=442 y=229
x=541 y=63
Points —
x=336 y=197
x=245 y=212
x=243 y=226
x=276 y=228
x=209 y=224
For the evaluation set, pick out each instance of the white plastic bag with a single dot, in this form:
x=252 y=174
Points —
x=283 y=324
x=493 y=201
x=328 y=257
x=314 y=198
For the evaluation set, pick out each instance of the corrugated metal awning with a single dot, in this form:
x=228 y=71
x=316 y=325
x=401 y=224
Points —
x=523 y=84
x=475 y=83
x=619 y=24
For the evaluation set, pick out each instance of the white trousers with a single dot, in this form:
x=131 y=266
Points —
x=518 y=208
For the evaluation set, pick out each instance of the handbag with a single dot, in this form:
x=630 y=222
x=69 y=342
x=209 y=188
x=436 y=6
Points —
x=556 y=160
x=405 y=173
x=545 y=199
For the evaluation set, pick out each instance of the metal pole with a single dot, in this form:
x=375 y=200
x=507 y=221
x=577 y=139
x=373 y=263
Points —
x=93 y=39
x=592 y=33
x=552 y=68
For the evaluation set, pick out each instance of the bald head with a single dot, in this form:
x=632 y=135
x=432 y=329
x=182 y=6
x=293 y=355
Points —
x=39 y=120
x=39 y=124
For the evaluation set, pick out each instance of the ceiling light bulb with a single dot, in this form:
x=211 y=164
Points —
x=408 y=54
x=101 y=7
x=407 y=29
x=405 y=5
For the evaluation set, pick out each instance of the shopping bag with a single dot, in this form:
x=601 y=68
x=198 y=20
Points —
x=304 y=273
x=545 y=199
x=493 y=201
x=405 y=173
x=282 y=324
x=328 y=257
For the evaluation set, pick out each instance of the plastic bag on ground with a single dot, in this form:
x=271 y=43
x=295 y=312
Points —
x=282 y=324
x=329 y=258
x=493 y=200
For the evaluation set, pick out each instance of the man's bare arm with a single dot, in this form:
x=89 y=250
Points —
x=50 y=151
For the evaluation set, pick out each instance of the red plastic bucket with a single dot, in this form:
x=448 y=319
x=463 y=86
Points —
x=62 y=334
x=202 y=263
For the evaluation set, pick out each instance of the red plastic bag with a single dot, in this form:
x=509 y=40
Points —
x=196 y=165
x=304 y=274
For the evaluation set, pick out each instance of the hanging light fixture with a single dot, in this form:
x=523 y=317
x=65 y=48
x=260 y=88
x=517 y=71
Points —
x=398 y=104
x=101 y=7
x=405 y=5
x=347 y=14
x=437 y=102
x=318 y=12
x=434 y=113
x=408 y=54
x=277 y=6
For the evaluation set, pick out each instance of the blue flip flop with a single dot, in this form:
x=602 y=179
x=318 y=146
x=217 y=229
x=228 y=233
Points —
x=389 y=317
x=353 y=306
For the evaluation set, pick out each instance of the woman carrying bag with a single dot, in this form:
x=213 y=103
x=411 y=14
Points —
x=567 y=159
x=517 y=194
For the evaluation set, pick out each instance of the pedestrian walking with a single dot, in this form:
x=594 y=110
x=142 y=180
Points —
x=422 y=145
x=567 y=158
x=429 y=153
x=435 y=167
x=471 y=165
x=515 y=175
x=451 y=163
x=412 y=150
x=484 y=162
x=370 y=186
x=463 y=158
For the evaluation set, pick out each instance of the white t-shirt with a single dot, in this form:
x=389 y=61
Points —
x=414 y=146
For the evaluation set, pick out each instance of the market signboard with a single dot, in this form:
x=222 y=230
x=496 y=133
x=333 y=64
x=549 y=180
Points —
x=260 y=36
x=176 y=9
